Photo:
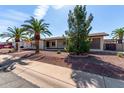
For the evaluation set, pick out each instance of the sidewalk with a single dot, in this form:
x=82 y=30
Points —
x=52 y=76
x=46 y=75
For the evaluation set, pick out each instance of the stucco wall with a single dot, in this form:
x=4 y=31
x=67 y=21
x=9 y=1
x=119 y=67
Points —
x=60 y=43
x=120 y=47
x=41 y=44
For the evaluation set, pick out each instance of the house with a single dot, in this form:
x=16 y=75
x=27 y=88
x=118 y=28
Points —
x=113 y=45
x=59 y=43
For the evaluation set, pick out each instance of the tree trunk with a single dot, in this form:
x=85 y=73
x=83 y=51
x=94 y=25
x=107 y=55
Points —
x=37 y=46
x=16 y=46
x=120 y=41
x=37 y=38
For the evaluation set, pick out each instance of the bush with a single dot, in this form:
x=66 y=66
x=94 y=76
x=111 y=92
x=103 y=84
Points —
x=83 y=47
x=119 y=54
x=13 y=50
x=10 y=51
x=58 y=52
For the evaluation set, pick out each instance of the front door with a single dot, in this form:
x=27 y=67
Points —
x=47 y=44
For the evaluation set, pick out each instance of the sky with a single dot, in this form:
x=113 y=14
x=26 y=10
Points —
x=106 y=18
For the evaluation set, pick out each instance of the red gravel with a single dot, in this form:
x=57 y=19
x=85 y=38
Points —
x=99 y=63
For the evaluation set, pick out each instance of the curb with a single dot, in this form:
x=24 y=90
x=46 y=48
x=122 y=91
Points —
x=41 y=79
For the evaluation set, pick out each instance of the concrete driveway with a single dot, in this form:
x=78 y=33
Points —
x=11 y=80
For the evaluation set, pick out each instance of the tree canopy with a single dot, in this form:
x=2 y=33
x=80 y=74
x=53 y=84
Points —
x=79 y=26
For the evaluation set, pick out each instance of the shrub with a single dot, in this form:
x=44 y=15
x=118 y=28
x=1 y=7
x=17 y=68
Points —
x=119 y=54
x=13 y=50
x=10 y=51
x=58 y=52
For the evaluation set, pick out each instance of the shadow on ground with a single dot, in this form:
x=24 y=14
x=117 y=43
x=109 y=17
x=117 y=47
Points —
x=87 y=80
x=91 y=64
x=7 y=60
x=95 y=65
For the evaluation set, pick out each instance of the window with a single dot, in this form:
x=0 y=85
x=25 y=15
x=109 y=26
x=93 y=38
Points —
x=53 y=43
x=64 y=43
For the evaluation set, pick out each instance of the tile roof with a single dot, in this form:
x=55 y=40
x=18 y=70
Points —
x=92 y=35
x=99 y=34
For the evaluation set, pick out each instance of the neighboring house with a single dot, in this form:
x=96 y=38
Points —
x=59 y=43
x=112 y=44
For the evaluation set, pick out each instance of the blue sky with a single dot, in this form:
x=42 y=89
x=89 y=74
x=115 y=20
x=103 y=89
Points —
x=106 y=18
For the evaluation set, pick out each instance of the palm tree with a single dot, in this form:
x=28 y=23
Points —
x=118 y=34
x=37 y=28
x=15 y=33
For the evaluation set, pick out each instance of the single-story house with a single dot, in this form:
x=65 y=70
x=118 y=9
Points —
x=113 y=45
x=59 y=43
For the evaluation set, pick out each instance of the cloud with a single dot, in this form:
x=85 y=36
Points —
x=15 y=15
x=7 y=22
x=11 y=18
x=19 y=15
x=4 y=24
x=41 y=11
x=57 y=6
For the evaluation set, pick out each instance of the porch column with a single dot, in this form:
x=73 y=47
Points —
x=56 y=43
x=44 y=47
x=43 y=44
x=101 y=43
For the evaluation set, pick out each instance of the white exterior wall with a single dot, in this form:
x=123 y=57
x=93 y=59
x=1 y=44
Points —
x=41 y=44
x=31 y=45
x=120 y=47
x=20 y=44
x=14 y=44
x=61 y=44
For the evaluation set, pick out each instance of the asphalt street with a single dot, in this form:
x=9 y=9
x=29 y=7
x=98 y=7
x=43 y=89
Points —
x=11 y=80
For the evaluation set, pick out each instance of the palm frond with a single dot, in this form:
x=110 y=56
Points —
x=118 y=33
x=34 y=25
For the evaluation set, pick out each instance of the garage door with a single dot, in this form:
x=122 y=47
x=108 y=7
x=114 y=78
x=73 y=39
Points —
x=95 y=43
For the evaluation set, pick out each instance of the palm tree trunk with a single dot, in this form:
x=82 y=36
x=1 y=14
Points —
x=37 y=46
x=120 y=41
x=37 y=38
x=16 y=46
x=17 y=40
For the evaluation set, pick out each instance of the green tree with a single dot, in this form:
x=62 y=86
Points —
x=15 y=33
x=79 y=27
x=36 y=28
x=118 y=34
